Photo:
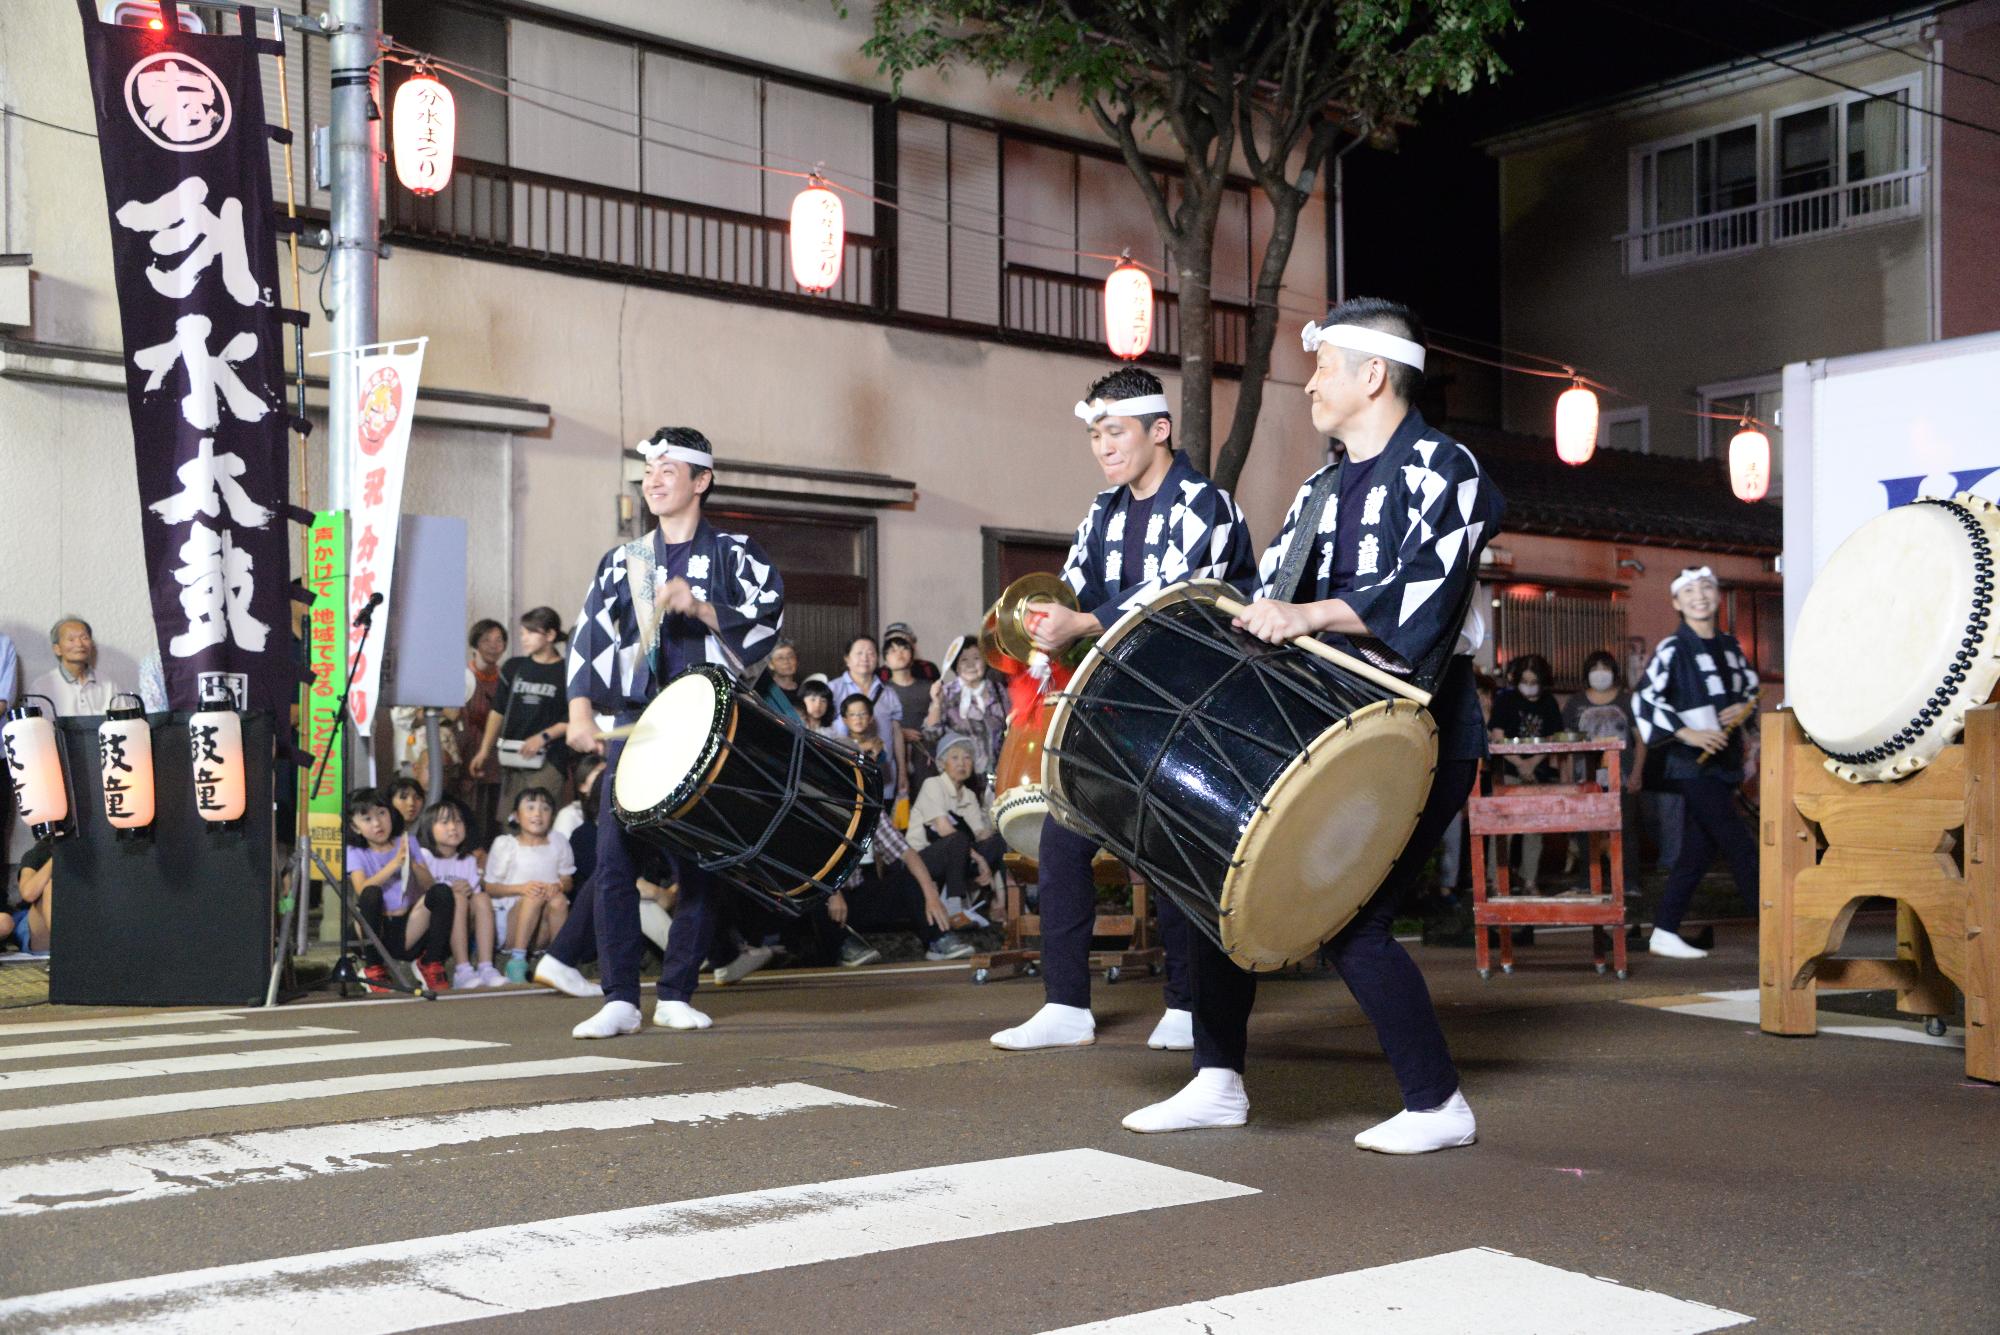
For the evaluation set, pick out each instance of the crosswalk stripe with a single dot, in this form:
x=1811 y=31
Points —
x=244 y=1096
x=207 y=1062
x=487 y=1273
x=175 y=1168
x=13 y=1031
x=88 y=1047
x=1480 y=1289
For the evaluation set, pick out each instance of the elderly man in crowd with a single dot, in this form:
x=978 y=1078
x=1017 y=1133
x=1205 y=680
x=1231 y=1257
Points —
x=73 y=683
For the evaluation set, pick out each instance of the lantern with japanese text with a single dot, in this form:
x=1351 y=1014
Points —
x=215 y=749
x=819 y=235
x=426 y=130
x=125 y=765
x=1749 y=463
x=1128 y=310
x=35 y=766
x=1576 y=425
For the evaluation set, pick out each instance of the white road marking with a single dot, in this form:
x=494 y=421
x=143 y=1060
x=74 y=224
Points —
x=175 y=1168
x=492 y=1272
x=90 y=1047
x=244 y=1096
x=1479 y=1289
x=8 y=1032
x=1741 y=1007
x=204 y=1063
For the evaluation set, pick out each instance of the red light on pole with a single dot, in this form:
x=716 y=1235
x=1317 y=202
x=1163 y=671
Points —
x=1128 y=310
x=1576 y=425
x=1749 y=463
x=819 y=235
x=426 y=131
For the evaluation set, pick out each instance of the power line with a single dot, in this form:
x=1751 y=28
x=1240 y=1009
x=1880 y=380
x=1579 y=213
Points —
x=37 y=120
x=1856 y=35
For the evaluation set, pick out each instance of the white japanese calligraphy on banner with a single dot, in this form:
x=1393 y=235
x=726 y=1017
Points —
x=387 y=404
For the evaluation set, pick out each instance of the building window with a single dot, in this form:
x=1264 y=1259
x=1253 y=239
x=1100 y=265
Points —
x=1756 y=617
x=1696 y=195
x=1564 y=625
x=1625 y=429
x=1843 y=161
x=1760 y=397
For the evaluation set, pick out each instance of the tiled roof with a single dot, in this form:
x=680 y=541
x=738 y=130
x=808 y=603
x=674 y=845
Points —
x=1621 y=497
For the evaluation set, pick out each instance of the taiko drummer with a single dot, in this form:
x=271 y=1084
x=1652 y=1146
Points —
x=1380 y=552
x=684 y=594
x=1160 y=522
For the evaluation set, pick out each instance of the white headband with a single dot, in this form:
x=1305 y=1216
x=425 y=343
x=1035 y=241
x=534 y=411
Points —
x=1687 y=577
x=1356 y=339
x=655 y=450
x=1143 y=406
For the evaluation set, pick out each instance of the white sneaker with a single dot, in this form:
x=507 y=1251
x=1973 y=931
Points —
x=1174 y=1032
x=1670 y=945
x=488 y=976
x=1442 y=1128
x=679 y=1015
x=1052 y=1026
x=617 y=1017
x=1214 y=1098
x=552 y=972
x=747 y=961
x=464 y=976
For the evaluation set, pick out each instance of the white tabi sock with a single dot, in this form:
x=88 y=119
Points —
x=552 y=972
x=1214 y=1097
x=1174 y=1032
x=1670 y=944
x=616 y=1017
x=679 y=1015
x=1442 y=1128
x=1052 y=1026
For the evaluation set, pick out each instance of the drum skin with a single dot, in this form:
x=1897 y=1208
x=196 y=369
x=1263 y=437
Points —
x=1268 y=792
x=708 y=774
x=1898 y=638
x=1019 y=801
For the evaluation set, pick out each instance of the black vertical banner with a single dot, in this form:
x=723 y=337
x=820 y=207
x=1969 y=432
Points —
x=180 y=123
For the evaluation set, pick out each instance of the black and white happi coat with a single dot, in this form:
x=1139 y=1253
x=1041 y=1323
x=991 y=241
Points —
x=611 y=649
x=1196 y=531
x=1425 y=517
x=1688 y=684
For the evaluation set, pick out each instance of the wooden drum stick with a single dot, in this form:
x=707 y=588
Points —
x=1386 y=680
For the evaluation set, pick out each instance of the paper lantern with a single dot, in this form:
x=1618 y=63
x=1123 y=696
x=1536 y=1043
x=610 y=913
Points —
x=215 y=748
x=125 y=765
x=1576 y=425
x=819 y=234
x=1750 y=463
x=1128 y=311
x=35 y=766
x=426 y=131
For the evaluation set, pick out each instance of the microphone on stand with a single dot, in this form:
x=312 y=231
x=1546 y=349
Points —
x=367 y=613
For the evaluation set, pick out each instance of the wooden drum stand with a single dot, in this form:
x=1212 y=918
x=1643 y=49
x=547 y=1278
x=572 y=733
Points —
x=1927 y=841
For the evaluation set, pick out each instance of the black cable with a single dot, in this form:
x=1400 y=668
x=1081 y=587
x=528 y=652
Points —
x=1858 y=36
x=37 y=120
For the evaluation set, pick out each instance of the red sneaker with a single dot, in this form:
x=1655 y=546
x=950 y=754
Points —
x=375 y=978
x=436 y=978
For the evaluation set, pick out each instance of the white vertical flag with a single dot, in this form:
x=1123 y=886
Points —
x=386 y=378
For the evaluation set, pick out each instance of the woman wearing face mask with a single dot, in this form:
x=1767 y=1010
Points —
x=1603 y=710
x=1528 y=710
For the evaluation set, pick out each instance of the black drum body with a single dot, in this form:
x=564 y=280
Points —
x=712 y=773
x=1265 y=790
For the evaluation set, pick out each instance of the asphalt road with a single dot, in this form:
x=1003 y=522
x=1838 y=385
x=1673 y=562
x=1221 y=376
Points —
x=708 y=1182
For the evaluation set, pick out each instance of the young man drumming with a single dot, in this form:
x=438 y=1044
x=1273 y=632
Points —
x=1699 y=692
x=684 y=594
x=1159 y=523
x=1381 y=549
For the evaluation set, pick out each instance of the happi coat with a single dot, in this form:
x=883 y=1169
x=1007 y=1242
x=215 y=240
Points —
x=612 y=648
x=1687 y=685
x=1196 y=531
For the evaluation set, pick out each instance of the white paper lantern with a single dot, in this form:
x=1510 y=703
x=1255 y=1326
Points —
x=125 y=766
x=1576 y=425
x=215 y=749
x=1750 y=463
x=34 y=761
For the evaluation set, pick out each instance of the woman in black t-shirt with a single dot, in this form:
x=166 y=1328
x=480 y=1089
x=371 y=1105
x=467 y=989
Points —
x=530 y=712
x=1528 y=710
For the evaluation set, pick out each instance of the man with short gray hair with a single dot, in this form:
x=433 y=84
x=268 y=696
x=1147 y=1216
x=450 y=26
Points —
x=73 y=683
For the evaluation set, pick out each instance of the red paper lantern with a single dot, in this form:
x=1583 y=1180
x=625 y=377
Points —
x=1576 y=425
x=1750 y=463
x=1128 y=311
x=426 y=128
x=819 y=235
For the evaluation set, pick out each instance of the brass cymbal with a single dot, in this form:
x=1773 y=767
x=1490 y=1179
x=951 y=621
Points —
x=1007 y=618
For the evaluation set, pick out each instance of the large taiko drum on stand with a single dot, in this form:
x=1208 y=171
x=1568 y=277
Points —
x=1267 y=791
x=1898 y=638
x=712 y=773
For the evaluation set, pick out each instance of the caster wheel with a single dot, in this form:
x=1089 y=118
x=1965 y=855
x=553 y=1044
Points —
x=1507 y=969
x=1623 y=975
x=979 y=975
x=1934 y=1025
x=1113 y=974
x=1152 y=971
x=1601 y=968
x=1486 y=973
x=1033 y=969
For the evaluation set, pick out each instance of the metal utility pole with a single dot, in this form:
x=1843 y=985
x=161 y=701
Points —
x=354 y=261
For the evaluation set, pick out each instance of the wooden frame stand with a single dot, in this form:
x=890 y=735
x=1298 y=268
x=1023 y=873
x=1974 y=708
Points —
x=1579 y=808
x=1926 y=841
x=1016 y=957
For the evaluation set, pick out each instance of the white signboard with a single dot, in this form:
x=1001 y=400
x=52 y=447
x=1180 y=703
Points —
x=386 y=380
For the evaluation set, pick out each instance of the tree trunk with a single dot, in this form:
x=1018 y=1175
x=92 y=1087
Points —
x=1194 y=429
x=1262 y=335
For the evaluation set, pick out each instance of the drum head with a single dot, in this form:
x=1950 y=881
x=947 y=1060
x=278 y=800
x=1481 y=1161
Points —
x=674 y=745
x=1333 y=825
x=1018 y=817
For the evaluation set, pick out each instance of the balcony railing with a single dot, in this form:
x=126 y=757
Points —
x=1773 y=221
x=512 y=214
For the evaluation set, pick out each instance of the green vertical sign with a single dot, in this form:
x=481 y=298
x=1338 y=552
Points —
x=326 y=638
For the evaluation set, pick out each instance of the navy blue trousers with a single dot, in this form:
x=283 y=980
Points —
x=609 y=903
x=1069 y=908
x=1709 y=824
x=1377 y=970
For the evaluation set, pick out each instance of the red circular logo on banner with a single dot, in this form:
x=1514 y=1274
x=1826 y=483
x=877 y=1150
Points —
x=381 y=408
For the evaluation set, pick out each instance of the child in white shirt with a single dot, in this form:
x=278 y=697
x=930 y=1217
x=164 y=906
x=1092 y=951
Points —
x=528 y=874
